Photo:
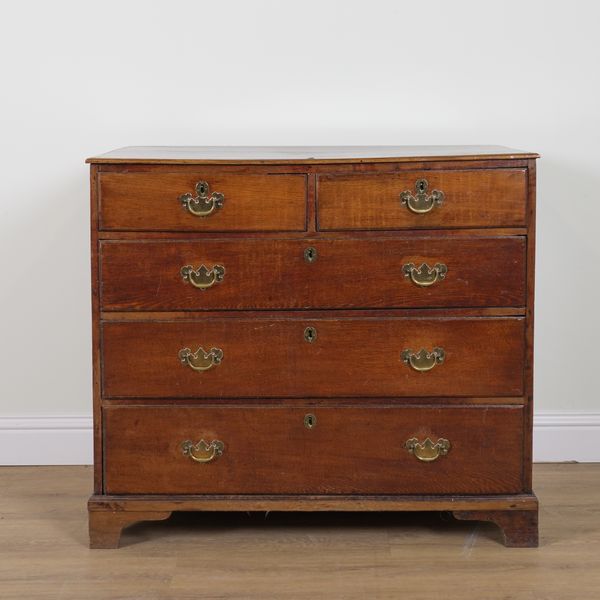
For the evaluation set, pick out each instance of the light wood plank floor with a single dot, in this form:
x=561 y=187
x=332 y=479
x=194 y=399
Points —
x=43 y=551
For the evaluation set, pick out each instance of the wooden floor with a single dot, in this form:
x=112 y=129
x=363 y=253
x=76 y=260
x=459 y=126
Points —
x=44 y=554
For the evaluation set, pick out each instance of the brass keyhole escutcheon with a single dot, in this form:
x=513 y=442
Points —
x=310 y=421
x=310 y=254
x=310 y=334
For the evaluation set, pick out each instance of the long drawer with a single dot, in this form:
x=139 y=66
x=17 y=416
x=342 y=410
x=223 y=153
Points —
x=313 y=273
x=313 y=450
x=423 y=199
x=313 y=357
x=193 y=199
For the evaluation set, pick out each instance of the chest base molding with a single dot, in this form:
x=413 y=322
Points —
x=515 y=515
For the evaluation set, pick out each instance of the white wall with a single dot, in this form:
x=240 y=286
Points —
x=79 y=78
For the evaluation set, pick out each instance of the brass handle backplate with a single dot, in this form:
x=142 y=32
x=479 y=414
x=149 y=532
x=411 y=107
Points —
x=201 y=360
x=203 y=203
x=428 y=451
x=424 y=276
x=203 y=277
x=424 y=361
x=202 y=452
x=421 y=202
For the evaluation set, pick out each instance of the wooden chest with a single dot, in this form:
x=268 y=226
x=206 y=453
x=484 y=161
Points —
x=313 y=329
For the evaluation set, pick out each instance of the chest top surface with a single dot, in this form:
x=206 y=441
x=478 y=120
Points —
x=302 y=154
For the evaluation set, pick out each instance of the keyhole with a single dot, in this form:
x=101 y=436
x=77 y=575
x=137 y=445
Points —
x=310 y=254
x=310 y=334
x=422 y=185
x=310 y=421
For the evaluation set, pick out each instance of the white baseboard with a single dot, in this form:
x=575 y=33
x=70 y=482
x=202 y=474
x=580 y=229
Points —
x=566 y=436
x=46 y=440
x=67 y=440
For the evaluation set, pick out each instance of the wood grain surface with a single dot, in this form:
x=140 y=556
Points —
x=301 y=154
x=253 y=202
x=269 y=357
x=294 y=556
x=350 y=450
x=347 y=273
x=472 y=198
x=344 y=202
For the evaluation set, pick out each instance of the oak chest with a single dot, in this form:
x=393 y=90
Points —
x=313 y=329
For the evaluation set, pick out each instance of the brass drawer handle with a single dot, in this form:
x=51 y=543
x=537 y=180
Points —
x=202 y=452
x=203 y=203
x=421 y=202
x=427 y=451
x=424 y=361
x=203 y=277
x=424 y=276
x=201 y=360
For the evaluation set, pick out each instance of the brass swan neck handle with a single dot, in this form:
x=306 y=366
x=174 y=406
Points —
x=421 y=202
x=201 y=360
x=423 y=360
x=202 y=452
x=428 y=451
x=203 y=204
x=203 y=277
x=424 y=276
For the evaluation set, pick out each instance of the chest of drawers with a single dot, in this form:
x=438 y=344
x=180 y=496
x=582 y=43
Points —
x=313 y=329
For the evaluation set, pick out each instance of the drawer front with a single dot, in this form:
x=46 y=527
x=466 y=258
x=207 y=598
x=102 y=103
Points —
x=232 y=202
x=342 y=273
x=314 y=357
x=470 y=198
x=270 y=450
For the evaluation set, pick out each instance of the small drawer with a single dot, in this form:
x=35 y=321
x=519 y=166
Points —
x=423 y=199
x=307 y=449
x=297 y=357
x=202 y=200
x=313 y=273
